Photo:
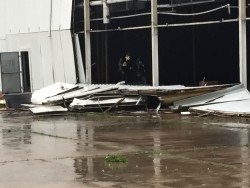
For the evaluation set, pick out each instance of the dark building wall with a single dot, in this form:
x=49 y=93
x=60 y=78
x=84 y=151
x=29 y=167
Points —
x=190 y=54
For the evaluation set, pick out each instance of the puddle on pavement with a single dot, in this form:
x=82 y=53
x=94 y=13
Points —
x=162 y=151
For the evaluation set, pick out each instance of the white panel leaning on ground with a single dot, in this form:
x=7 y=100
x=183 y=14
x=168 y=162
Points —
x=41 y=27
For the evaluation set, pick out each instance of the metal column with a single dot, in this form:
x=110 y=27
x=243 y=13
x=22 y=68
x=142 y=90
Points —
x=87 y=41
x=242 y=42
x=106 y=21
x=154 y=33
x=105 y=12
x=50 y=17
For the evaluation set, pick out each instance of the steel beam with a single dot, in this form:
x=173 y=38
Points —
x=50 y=18
x=242 y=42
x=87 y=41
x=154 y=38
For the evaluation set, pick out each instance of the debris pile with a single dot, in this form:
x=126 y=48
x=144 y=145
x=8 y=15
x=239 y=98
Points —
x=233 y=101
x=227 y=99
x=61 y=97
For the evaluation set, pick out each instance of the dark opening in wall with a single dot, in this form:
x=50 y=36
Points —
x=25 y=71
x=187 y=54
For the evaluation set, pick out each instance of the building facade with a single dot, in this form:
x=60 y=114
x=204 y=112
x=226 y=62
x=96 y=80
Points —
x=179 y=41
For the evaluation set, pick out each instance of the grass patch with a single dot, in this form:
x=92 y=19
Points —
x=116 y=159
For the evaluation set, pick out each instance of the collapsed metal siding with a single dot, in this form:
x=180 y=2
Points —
x=26 y=25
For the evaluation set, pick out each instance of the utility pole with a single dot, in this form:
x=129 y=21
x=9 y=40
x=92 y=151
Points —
x=154 y=45
x=242 y=42
x=87 y=41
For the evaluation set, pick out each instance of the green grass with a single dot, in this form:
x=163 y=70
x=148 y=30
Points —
x=116 y=159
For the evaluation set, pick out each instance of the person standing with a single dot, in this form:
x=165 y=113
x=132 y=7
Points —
x=132 y=71
x=140 y=73
x=127 y=67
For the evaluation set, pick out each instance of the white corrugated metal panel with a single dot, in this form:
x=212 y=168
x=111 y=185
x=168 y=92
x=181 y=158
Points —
x=41 y=96
x=2 y=45
x=65 y=14
x=48 y=109
x=234 y=101
x=24 y=16
x=237 y=108
x=2 y=20
x=46 y=58
x=237 y=92
x=48 y=62
x=68 y=55
x=58 y=62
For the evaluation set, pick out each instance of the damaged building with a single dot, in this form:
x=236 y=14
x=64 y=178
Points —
x=81 y=41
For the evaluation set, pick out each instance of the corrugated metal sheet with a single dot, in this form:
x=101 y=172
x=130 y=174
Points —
x=40 y=96
x=25 y=16
x=237 y=92
x=48 y=109
x=234 y=101
x=234 y=108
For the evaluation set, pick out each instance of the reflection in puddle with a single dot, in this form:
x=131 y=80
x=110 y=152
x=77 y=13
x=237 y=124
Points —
x=157 y=159
x=16 y=136
x=244 y=151
x=81 y=167
x=160 y=167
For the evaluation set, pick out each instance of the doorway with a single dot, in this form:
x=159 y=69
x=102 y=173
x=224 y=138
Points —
x=15 y=72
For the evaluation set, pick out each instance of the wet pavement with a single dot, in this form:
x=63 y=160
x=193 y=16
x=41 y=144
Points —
x=162 y=151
